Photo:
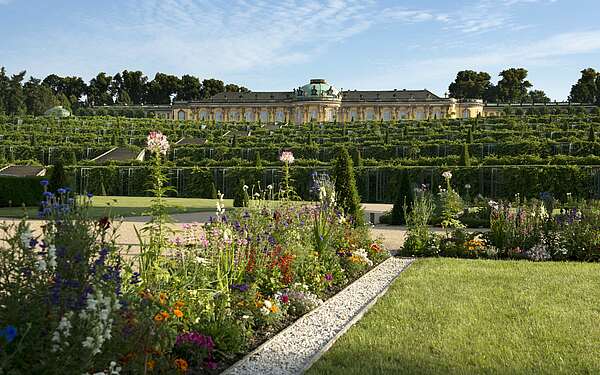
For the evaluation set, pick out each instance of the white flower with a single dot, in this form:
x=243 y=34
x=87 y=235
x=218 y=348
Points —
x=287 y=157
x=245 y=316
x=268 y=304
x=447 y=175
x=52 y=256
x=88 y=342
x=494 y=205
x=245 y=187
x=270 y=187
x=26 y=237
x=264 y=310
x=41 y=265
x=200 y=260
x=467 y=186
x=257 y=195
x=157 y=143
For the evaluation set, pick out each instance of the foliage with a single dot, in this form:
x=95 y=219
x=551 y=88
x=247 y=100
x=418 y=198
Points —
x=348 y=200
x=17 y=191
x=403 y=202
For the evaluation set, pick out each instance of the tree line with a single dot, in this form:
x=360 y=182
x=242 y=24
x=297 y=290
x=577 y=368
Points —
x=35 y=96
x=514 y=87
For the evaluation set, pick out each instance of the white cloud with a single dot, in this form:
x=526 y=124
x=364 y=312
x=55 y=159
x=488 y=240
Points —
x=237 y=35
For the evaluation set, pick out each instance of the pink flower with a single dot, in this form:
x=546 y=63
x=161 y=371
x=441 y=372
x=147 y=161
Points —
x=287 y=157
x=157 y=143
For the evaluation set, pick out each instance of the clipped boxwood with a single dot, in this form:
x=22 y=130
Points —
x=16 y=191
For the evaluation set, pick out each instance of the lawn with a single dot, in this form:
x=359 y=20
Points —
x=449 y=316
x=128 y=206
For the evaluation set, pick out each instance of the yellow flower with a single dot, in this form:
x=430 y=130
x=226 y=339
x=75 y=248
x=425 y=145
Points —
x=181 y=364
x=274 y=309
x=178 y=313
x=162 y=298
x=150 y=364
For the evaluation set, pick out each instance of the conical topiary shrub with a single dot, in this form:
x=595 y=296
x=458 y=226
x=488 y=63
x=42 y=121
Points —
x=347 y=198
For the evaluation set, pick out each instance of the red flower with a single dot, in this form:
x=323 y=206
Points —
x=104 y=223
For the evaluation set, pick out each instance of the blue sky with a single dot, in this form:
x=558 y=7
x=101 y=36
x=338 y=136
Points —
x=278 y=45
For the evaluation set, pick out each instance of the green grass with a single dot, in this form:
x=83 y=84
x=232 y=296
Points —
x=128 y=206
x=449 y=316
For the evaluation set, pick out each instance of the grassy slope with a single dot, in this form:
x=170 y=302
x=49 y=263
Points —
x=448 y=316
x=130 y=206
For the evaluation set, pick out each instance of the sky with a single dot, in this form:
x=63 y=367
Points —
x=281 y=44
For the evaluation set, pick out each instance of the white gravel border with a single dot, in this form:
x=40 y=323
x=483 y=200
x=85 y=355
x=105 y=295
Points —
x=297 y=347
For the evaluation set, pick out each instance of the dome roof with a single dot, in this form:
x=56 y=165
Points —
x=57 y=111
x=317 y=88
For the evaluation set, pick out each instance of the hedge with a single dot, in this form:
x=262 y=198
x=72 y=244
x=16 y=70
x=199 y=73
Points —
x=16 y=191
x=375 y=184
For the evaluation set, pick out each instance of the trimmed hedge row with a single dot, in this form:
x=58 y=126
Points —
x=16 y=191
x=375 y=184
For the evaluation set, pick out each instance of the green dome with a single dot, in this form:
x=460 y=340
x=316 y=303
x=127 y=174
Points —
x=57 y=111
x=317 y=88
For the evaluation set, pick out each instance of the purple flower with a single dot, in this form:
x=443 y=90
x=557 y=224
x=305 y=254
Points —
x=44 y=182
x=61 y=191
x=328 y=277
x=90 y=195
x=48 y=194
x=196 y=339
x=240 y=287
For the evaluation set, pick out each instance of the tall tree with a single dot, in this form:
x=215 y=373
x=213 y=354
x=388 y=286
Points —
x=38 y=97
x=14 y=101
x=190 y=88
x=162 y=88
x=513 y=86
x=99 y=90
x=537 y=96
x=231 y=87
x=211 y=87
x=134 y=83
x=469 y=85
x=586 y=90
x=4 y=87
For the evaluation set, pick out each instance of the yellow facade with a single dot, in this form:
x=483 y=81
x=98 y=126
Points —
x=318 y=101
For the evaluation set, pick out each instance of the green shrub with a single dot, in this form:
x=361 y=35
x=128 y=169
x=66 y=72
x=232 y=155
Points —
x=17 y=191
x=347 y=198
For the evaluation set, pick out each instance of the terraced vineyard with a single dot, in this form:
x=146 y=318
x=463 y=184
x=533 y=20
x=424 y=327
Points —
x=506 y=155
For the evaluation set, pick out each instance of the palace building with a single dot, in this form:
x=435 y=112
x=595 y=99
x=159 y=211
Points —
x=319 y=101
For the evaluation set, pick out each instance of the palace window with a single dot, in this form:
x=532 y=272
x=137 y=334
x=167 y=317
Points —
x=370 y=115
x=203 y=115
x=234 y=116
x=219 y=116
x=329 y=114
x=420 y=115
x=387 y=116
x=249 y=116
x=264 y=116
x=279 y=116
x=181 y=115
x=466 y=114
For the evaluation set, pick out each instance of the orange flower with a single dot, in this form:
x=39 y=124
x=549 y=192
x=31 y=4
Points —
x=375 y=247
x=274 y=309
x=150 y=364
x=164 y=314
x=162 y=298
x=159 y=317
x=178 y=313
x=178 y=304
x=181 y=364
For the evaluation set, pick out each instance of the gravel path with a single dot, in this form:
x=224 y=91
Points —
x=297 y=347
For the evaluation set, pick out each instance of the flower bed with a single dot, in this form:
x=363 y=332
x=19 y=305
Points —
x=531 y=229
x=191 y=302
